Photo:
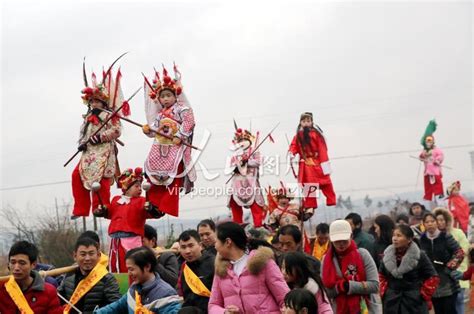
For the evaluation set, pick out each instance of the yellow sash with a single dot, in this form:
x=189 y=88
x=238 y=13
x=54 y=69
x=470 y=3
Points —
x=104 y=260
x=139 y=307
x=319 y=250
x=17 y=296
x=195 y=283
x=96 y=274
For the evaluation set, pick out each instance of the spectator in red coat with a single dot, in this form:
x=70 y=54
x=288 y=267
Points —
x=25 y=291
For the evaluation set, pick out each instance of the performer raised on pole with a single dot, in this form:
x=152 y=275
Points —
x=432 y=158
x=314 y=167
x=284 y=212
x=246 y=191
x=169 y=166
x=97 y=142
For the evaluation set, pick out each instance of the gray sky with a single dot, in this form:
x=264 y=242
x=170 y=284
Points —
x=373 y=74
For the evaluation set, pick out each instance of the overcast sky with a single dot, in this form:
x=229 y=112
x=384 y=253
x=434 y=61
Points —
x=373 y=74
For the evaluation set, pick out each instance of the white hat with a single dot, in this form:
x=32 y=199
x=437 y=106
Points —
x=340 y=230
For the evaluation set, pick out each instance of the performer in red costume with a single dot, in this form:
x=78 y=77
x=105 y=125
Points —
x=246 y=191
x=169 y=166
x=98 y=162
x=283 y=212
x=127 y=214
x=458 y=206
x=314 y=167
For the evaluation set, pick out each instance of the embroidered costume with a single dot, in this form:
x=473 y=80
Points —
x=169 y=166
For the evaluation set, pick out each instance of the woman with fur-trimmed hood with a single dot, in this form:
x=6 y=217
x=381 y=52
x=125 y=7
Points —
x=246 y=281
x=407 y=277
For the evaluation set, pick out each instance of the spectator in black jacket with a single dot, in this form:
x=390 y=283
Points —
x=290 y=239
x=197 y=272
x=446 y=256
x=207 y=232
x=360 y=237
x=105 y=291
x=383 y=229
x=407 y=276
x=167 y=262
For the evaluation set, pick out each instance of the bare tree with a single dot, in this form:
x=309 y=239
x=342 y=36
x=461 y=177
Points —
x=367 y=201
x=54 y=235
x=340 y=201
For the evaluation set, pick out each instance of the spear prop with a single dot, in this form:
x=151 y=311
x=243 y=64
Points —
x=291 y=164
x=115 y=113
x=170 y=137
x=69 y=303
x=421 y=159
x=257 y=147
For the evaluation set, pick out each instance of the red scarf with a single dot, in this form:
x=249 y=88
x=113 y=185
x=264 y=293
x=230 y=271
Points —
x=352 y=268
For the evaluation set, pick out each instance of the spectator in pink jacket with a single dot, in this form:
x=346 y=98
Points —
x=298 y=274
x=246 y=281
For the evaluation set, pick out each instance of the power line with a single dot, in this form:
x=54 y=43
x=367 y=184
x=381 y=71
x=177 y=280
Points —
x=281 y=163
x=34 y=185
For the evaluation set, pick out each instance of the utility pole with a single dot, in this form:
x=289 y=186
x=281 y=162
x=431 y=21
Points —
x=57 y=213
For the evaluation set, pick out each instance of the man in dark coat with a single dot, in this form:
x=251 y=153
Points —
x=167 y=263
x=90 y=293
x=197 y=272
x=207 y=232
x=290 y=238
x=361 y=238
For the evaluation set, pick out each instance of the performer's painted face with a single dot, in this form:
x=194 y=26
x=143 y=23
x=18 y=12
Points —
x=429 y=143
x=306 y=122
x=283 y=202
x=167 y=98
x=20 y=266
x=86 y=257
x=94 y=103
x=244 y=144
x=135 y=190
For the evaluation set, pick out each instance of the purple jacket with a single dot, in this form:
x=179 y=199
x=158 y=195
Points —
x=259 y=289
